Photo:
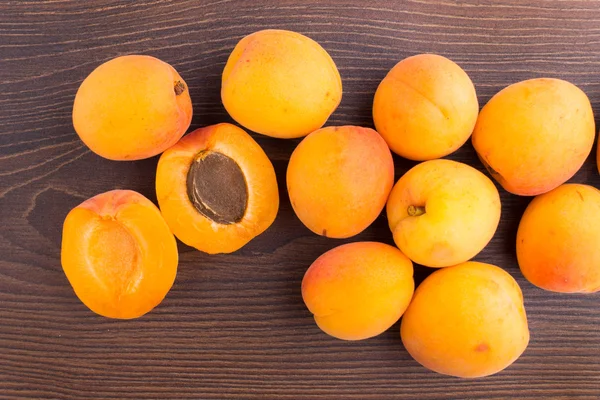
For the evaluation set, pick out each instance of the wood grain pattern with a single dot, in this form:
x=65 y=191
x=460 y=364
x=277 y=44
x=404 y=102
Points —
x=234 y=326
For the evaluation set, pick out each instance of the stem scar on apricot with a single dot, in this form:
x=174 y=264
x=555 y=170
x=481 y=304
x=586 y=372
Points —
x=217 y=187
x=495 y=174
x=179 y=88
x=415 y=211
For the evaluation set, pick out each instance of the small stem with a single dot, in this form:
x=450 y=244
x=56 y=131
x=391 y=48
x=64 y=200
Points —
x=415 y=211
x=179 y=88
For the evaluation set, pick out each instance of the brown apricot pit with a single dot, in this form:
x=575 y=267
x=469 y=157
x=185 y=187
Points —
x=217 y=187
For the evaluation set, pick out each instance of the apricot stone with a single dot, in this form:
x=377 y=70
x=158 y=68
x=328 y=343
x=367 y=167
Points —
x=466 y=321
x=558 y=241
x=443 y=212
x=534 y=135
x=339 y=178
x=132 y=107
x=119 y=254
x=217 y=189
x=426 y=107
x=280 y=83
x=358 y=290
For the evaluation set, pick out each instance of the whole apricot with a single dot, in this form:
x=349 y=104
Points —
x=132 y=107
x=118 y=254
x=339 y=178
x=358 y=290
x=443 y=212
x=280 y=83
x=425 y=107
x=533 y=135
x=466 y=321
x=558 y=241
x=217 y=189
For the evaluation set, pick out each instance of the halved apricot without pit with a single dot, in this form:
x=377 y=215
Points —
x=217 y=189
x=119 y=254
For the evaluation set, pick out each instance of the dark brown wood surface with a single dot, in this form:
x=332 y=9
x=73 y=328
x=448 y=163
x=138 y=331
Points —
x=235 y=326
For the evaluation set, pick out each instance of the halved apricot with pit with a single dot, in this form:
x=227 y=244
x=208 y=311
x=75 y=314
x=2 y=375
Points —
x=217 y=189
x=119 y=254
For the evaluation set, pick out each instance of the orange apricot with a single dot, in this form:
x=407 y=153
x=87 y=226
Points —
x=425 y=107
x=339 y=178
x=442 y=212
x=217 y=189
x=558 y=241
x=132 y=107
x=118 y=254
x=467 y=321
x=358 y=290
x=533 y=135
x=280 y=83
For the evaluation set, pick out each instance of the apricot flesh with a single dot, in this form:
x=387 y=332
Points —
x=132 y=107
x=339 y=178
x=443 y=212
x=119 y=254
x=425 y=107
x=358 y=290
x=558 y=240
x=280 y=83
x=533 y=135
x=466 y=321
x=217 y=189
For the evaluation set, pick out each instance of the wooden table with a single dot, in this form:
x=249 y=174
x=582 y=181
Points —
x=234 y=326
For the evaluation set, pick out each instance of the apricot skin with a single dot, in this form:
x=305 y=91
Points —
x=598 y=156
x=339 y=178
x=119 y=254
x=558 y=240
x=280 y=83
x=534 y=135
x=467 y=321
x=461 y=211
x=128 y=109
x=191 y=227
x=425 y=107
x=358 y=290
